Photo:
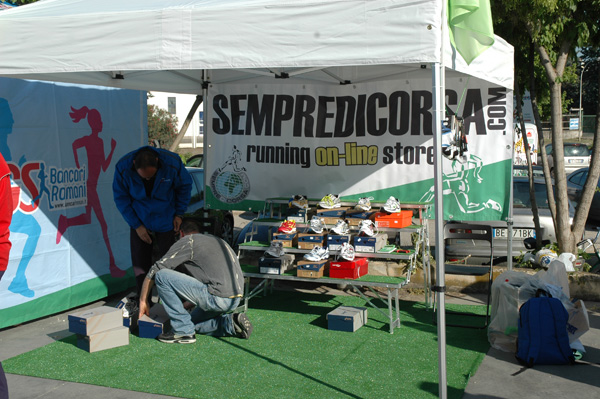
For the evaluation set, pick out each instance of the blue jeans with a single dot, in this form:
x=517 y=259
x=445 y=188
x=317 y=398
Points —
x=207 y=318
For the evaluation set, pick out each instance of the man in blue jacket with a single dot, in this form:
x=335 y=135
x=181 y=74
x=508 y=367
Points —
x=152 y=190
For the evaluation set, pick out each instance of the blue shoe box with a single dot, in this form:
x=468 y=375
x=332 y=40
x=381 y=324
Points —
x=289 y=240
x=333 y=213
x=355 y=217
x=309 y=268
x=102 y=340
x=150 y=326
x=279 y=265
x=346 y=318
x=298 y=215
x=370 y=244
x=92 y=321
x=335 y=241
x=311 y=240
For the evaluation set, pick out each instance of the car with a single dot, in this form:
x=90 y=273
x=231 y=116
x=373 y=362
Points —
x=523 y=171
x=577 y=155
x=575 y=183
x=523 y=226
x=220 y=222
x=195 y=161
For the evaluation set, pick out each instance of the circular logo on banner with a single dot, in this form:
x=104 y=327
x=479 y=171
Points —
x=229 y=186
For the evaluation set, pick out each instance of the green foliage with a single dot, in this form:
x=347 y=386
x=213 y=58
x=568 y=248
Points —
x=21 y=2
x=162 y=126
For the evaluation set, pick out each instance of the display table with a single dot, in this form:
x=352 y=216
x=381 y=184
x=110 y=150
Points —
x=391 y=286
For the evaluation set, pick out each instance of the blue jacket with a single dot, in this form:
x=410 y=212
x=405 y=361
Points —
x=170 y=195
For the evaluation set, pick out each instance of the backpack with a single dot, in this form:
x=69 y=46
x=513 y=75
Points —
x=543 y=335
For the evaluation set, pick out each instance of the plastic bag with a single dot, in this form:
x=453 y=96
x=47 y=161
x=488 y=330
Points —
x=512 y=289
x=544 y=256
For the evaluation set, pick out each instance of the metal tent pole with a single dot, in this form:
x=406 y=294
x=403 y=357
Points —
x=439 y=104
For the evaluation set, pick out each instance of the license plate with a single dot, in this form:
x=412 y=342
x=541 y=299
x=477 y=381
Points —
x=517 y=233
x=575 y=160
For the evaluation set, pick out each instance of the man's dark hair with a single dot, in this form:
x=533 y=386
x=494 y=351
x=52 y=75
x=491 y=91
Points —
x=145 y=158
x=189 y=226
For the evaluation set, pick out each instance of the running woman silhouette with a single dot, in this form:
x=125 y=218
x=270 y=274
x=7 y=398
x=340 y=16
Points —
x=94 y=147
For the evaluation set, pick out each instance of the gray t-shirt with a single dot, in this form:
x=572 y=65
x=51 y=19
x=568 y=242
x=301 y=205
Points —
x=208 y=259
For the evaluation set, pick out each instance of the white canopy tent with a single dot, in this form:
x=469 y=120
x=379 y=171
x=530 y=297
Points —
x=183 y=45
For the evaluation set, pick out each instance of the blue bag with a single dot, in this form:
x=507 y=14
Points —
x=543 y=335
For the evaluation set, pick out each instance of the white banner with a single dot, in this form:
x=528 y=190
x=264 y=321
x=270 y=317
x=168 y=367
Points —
x=376 y=139
x=70 y=244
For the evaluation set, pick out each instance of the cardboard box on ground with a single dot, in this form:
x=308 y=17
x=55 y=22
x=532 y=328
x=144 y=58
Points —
x=347 y=318
x=99 y=328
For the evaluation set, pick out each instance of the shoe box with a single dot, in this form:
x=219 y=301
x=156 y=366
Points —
x=351 y=269
x=91 y=321
x=394 y=220
x=289 y=240
x=150 y=326
x=331 y=216
x=313 y=269
x=370 y=244
x=310 y=240
x=102 y=340
x=335 y=241
x=268 y=265
x=347 y=318
x=99 y=328
x=354 y=217
x=298 y=215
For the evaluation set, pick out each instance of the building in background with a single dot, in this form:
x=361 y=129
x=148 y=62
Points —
x=180 y=105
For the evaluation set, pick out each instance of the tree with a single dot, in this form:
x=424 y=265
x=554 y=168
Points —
x=162 y=126
x=555 y=28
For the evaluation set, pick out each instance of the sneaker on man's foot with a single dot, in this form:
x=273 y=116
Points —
x=242 y=326
x=172 y=338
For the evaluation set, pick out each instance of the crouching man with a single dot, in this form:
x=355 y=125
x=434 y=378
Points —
x=204 y=271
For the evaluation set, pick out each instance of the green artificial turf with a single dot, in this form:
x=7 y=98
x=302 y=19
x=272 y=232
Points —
x=291 y=353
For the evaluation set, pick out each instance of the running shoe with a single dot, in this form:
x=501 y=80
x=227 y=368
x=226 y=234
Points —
x=317 y=224
x=330 y=201
x=299 y=201
x=172 y=338
x=392 y=205
x=364 y=203
x=287 y=227
x=317 y=253
x=367 y=227
x=341 y=227
x=242 y=326
x=347 y=251
x=275 y=250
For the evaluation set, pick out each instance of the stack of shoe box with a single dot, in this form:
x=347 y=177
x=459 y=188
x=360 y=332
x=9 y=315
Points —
x=99 y=328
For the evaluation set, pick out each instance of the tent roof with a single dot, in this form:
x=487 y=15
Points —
x=176 y=45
